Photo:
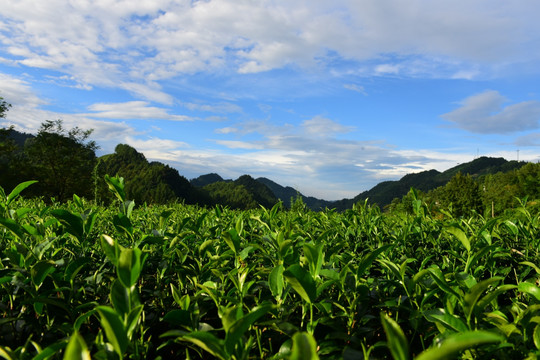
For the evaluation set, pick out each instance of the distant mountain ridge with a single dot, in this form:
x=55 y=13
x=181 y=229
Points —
x=383 y=193
x=154 y=181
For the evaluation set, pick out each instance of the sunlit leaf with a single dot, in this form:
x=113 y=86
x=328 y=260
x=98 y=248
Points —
x=395 y=338
x=458 y=342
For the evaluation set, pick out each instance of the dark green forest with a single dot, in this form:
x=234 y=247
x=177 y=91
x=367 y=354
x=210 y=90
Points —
x=64 y=162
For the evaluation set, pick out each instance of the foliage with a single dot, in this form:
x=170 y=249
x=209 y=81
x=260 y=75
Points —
x=182 y=281
x=62 y=160
x=4 y=107
x=148 y=182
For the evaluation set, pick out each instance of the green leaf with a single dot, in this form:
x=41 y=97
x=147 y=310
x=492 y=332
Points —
x=76 y=348
x=73 y=223
x=275 y=281
x=232 y=239
x=241 y=325
x=533 y=265
x=82 y=318
x=114 y=329
x=129 y=266
x=449 y=321
x=460 y=235
x=315 y=257
x=536 y=336
x=110 y=248
x=51 y=350
x=304 y=347
x=12 y=226
x=132 y=320
x=207 y=341
x=18 y=189
x=75 y=266
x=458 y=342
x=474 y=293
x=178 y=317
x=40 y=270
x=439 y=279
x=368 y=259
x=120 y=298
x=116 y=186
x=530 y=289
x=395 y=338
x=302 y=282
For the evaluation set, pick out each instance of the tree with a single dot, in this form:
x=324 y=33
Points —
x=4 y=107
x=463 y=194
x=529 y=181
x=62 y=160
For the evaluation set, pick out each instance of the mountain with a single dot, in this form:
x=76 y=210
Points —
x=207 y=179
x=286 y=193
x=243 y=193
x=383 y=193
x=150 y=182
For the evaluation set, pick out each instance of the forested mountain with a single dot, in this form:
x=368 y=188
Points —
x=207 y=179
x=243 y=193
x=383 y=193
x=288 y=195
x=64 y=162
x=150 y=182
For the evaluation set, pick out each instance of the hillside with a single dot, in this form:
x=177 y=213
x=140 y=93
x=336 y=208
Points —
x=150 y=182
x=383 y=193
x=286 y=193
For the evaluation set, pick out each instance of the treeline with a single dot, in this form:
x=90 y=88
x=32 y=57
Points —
x=487 y=194
x=65 y=163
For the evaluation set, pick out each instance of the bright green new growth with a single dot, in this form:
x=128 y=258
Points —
x=78 y=280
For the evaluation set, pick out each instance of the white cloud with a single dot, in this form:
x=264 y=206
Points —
x=323 y=127
x=484 y=113
x=132 y=110
x=135 y=45
x=357 y=88
x=223 y=107
x=528 y=140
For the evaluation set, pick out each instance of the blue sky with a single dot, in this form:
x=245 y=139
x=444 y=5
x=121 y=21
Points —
x=327 y=97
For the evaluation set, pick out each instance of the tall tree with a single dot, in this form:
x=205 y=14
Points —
x=463 y=194
x=62 y=160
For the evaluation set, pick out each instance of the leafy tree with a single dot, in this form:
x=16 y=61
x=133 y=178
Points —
x=231 y=194
x=62 y=160
x=4 y=107
x=462 y=193
x=152 y=182
x=529 y=181
x=9 y=172
x=499 y=192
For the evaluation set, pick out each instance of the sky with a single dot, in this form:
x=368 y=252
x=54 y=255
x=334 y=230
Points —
x=328 y=97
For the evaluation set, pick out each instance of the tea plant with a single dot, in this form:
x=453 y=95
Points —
x=78 y=280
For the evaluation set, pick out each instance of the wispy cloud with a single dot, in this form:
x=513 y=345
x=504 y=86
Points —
x=132 y=110
x=484 y=113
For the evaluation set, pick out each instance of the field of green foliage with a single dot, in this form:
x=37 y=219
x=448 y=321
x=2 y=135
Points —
x=80 y=281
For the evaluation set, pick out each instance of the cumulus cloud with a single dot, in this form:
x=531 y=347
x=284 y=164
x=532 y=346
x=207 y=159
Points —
x=485 y=113
x=136 y=45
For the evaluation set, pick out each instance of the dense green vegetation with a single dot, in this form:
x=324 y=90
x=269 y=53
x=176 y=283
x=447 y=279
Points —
x=162 y=281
